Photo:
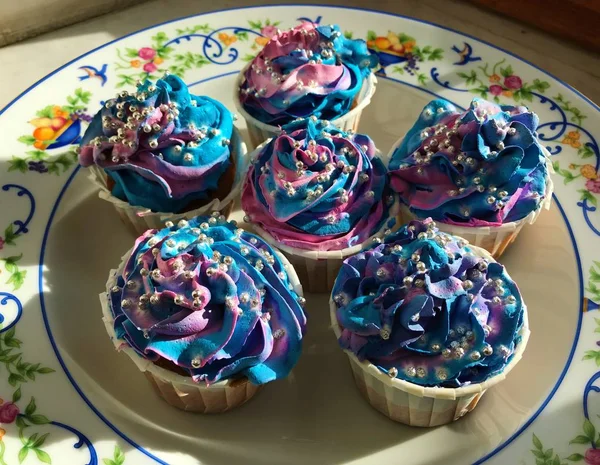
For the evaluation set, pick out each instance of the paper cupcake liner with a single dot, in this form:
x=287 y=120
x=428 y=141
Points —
x=494 y=239
x=317 y=269
x=181 y=391
x=416 y=405
x=260 y=132
x=140 y=219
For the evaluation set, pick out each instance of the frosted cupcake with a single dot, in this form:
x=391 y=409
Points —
x=428 y=323
x=320 y=194
x=163 y=153
x=309 y=70
x=481 y=174
x=207 y=311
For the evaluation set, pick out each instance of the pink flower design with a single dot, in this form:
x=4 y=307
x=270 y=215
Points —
x=592 y=457
x=8 y=412
x=268 y=31
x=593 y=185
x=150 y=67
x=1 y=243
x=146 y=53
x=495 y=89
x=513 y=82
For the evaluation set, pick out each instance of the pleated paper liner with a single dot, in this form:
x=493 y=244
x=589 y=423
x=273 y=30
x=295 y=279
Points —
x=178 y=390
x=416 y=405
x=259 y=132
x=140 y=219
x=317 y=269
x=494 y=239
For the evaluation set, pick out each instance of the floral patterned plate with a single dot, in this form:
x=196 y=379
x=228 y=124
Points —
x=68 y=398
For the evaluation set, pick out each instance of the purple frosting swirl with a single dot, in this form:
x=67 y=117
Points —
x=212 y=299
x=482 y=167
x=316 y=187
x=426 y=308
x=309 y=70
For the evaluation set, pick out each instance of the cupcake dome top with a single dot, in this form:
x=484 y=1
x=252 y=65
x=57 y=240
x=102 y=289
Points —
x=316 y=187
x=210 y=299
x=162 y=146
x=481 y=167
x=426 y=308
x=305 y=71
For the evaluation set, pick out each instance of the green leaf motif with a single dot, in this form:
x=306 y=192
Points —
x=40 y=441
x=372 y=35
x=108 y=462
x=118 y=456
x=574 y=457
x=43 y=456
x=38 y=419
x=348 y=34
x=45 y=112
x=29 y=140
x=255 y=25
x=45 y=370
x=16 y=395
x=9 y=235
x=436 y=54
x=31 y=407
x=580 y=440
x=589 y=430
x=17 y=164
x=131 y=52
x=508 y=71
x=538 y=453
x=537 y=443
x=23 y=454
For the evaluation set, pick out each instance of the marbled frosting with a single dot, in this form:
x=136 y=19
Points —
x=481 y=167
x=210 y=299
x=426 y=308
x=306 y=71
x=163 y=147
x=316 y=187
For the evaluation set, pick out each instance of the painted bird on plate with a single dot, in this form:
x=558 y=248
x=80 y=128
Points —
x=465 y=54
x=91 y=72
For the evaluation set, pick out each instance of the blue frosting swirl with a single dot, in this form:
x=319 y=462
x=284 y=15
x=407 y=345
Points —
x=164 y=148
x=210 y=299
x=427 y=308
x=317 y=187
x=482 y=167
x=307 y=71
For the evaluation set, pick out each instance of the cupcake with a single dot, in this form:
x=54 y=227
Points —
x=481 y=174
x=309 y=70
x=320 y=194
x=163 y=153
x=207 y=311
x=428 y=323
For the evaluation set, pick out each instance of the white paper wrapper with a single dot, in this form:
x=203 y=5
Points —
x=260 y=132
x=416 y=405
x=140 y=219
x=181 y=391
x=495 y=239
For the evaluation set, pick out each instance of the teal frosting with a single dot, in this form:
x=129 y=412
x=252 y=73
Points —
x=163 y=147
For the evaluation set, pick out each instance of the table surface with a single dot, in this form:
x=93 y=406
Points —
x=26 y=62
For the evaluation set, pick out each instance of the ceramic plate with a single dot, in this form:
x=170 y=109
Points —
x=68 y=398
